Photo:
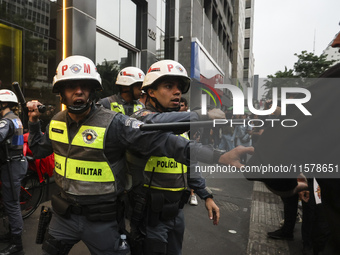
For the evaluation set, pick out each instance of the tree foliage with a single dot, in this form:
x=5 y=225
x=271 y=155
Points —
x=308 y=66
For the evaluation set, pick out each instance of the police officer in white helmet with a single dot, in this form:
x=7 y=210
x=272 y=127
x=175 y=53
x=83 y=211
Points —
x=165 y=181
x=13 y=167
x=129 y=81
x=89 y=143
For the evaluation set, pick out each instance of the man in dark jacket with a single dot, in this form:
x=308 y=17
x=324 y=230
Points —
x=312 y=148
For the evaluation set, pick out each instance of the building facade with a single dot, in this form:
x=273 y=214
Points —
x=332 y=53
x=35 y=35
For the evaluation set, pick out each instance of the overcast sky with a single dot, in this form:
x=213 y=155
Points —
x=282 y=28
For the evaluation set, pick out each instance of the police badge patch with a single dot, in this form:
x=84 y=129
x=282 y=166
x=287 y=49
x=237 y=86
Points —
x=3 y=123
x=89 y=136
x=75 y=68
x=136 y=124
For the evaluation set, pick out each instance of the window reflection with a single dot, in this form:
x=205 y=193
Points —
x=10 y=55
x=110 y=59
x=128 y=15
x=119 y=18
x=160 y=33
x=28 y=44
x=108 y=15
x=110 y=50
x=27 y=49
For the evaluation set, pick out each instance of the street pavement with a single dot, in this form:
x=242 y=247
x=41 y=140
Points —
x=248 y=212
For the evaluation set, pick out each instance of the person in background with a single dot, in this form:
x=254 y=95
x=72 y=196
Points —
x=314 y=228
x=165 y=183
x=129 y=82
x=257 y=129
x=142 y=97
x=228 y=135
x=243 y=135
x=301 y=146
x=183 y=105
x=13 y=169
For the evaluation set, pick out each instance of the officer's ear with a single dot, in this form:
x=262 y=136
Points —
x=3 y=105
x=62 y=97
x=151 y=92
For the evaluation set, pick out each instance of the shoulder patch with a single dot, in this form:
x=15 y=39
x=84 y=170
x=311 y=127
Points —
x=147 y=113
x=3 y=123
x=136 y=124
x=128 y=121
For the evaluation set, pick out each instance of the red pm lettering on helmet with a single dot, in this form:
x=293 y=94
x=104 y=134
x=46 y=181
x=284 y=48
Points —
x=63 y=69
x=170 y=66
x=87 y=68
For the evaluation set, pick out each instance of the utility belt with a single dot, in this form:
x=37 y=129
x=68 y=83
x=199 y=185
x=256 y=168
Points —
x=96 y=212
x=161 y=208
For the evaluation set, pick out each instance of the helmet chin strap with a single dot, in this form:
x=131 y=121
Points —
x=78 y=109
x=130 y=91
x=164 y=109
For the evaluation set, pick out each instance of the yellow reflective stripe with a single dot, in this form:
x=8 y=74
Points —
x=117 y=107
x=91 y=171
x=164 y=165
x=160 y=188
x=59 y=164
x=58 y=131
x=89 y=136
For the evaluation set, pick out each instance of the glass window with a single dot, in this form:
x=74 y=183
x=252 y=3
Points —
x=161 y=5
x=27 y=57
x=246 y=43
x=10 y=55
x=128 y=16
x=248 y=4
x=160 y=36
x=110 y=50
x=108 y=15
x=110 y=58
x=160 y=29
x=118 y=17
x=246 y=63
x=247 y=25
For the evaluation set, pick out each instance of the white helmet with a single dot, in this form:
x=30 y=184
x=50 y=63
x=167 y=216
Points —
x=166 y=68
x=129 y=76
x=76 y=68
x=8 y=96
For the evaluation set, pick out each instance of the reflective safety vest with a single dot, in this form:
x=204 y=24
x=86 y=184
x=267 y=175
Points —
x=115 y=106
x=165 y=173
x=16 y=142
x=81 y=166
